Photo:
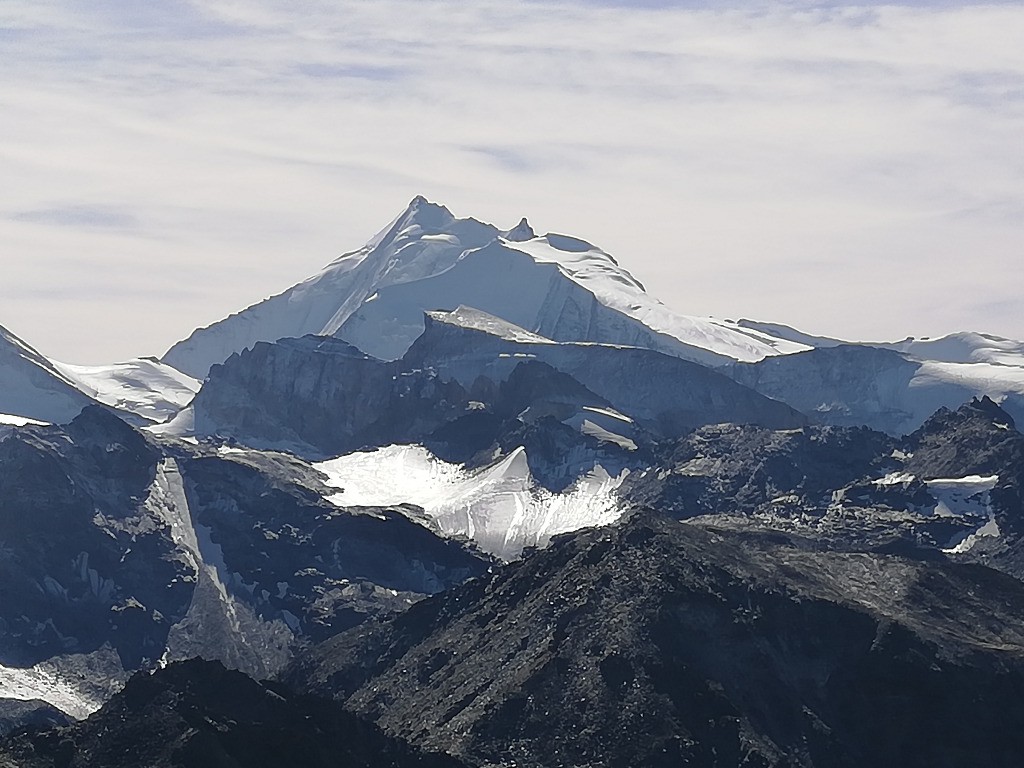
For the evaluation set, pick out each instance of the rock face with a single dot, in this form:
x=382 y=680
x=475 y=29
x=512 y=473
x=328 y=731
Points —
x=663 y=393
x=198 y=714
x=978 y=442
x=658 y=643
x=979 y=438
x=15 y=715
x=323 y=397
x=69 y=518
x=119 y=551
x=953 y=485
x=855 y=385
x=734 y=469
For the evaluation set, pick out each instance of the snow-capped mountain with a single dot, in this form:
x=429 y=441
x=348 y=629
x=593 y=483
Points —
x=892 y=386
x=35 y=388
x=319 y=395
x=963 y=347
x=498 y=434
x=560 y=287
x=32 y=387
x=439 y=404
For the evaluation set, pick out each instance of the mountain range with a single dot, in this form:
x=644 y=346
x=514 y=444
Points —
x=473 y=494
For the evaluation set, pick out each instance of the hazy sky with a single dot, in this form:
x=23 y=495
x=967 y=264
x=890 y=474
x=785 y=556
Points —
x=853 y=171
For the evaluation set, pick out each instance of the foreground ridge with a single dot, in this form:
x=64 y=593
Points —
x=660 y=643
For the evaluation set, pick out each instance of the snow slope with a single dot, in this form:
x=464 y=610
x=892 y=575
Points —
x=558 y=286
x=44 y=682
x=32 y=387
x=423 y=240
x=500 y=506
x=963 y=347
x=143 y=386
x=37 y=389
x=614 y=287
x=893 y=386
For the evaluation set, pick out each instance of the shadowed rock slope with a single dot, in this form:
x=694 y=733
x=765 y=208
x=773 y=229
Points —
x=198 y=714
x=118 y=551
x=660 y=643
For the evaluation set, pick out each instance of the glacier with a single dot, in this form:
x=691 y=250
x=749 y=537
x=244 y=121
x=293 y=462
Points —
x=500 y=506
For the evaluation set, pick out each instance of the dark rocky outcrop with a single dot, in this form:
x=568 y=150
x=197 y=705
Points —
x=729 y=468
x=15 y=715
x=979 y=438
x=69 y=521
x=198 y=714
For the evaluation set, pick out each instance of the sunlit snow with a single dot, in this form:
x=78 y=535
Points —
x=44 y=682
x=962 y=495
x=143 y=386
x=500 y=507
x=19 y=421
x=427 y=259
x=599 y=273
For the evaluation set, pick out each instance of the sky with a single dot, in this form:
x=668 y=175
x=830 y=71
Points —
x=853 y=171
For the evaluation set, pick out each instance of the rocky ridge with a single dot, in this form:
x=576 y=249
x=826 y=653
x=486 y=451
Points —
x=663 y=643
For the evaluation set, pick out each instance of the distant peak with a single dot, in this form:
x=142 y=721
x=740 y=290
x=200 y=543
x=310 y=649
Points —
x=426 y=214
x=421 y=204
x=521 y=232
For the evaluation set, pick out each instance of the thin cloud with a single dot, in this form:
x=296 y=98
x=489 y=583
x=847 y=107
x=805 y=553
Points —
x=713 y=151
x=81 y=215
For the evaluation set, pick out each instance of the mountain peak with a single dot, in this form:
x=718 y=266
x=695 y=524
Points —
x=420 y=212
x=562 y=287
x=520 y=232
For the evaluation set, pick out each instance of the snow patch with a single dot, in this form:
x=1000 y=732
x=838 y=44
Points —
x=609 y=412
x=11 y=420
x=44 y=682
x=598 y=432
x=895 y=478
x=958 y=496
x=144 y=386
x=498 y=506
x=474 y=319
x=989 y=529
